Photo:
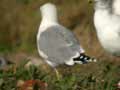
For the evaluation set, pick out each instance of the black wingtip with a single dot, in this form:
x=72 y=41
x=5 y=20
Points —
x=83 y=59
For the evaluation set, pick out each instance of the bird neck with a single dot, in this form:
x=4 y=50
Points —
x=47 y=22
x=49 y=17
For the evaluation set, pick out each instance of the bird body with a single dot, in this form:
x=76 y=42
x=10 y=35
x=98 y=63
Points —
x=56 y=44
x=59 y=44
x=107 y=25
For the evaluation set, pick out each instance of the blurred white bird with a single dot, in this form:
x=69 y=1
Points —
x=56 y=44
x=107 y=25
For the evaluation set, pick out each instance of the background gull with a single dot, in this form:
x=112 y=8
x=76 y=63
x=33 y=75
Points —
x=107 y=25
x=56 y=44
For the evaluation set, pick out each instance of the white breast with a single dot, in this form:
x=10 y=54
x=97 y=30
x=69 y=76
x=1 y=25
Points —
x=107 y=27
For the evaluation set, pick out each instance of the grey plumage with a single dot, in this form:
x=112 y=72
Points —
x=103 y=4
x=59 y=44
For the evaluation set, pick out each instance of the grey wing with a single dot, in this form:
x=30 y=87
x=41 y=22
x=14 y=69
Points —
x=59 y=46
x=70 y=38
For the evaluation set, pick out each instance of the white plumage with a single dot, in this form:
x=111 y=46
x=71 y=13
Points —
x=116 y=7
x=107 y=25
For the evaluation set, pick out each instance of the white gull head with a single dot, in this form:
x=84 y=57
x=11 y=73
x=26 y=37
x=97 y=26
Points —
x=49 y=13
x=103 y=4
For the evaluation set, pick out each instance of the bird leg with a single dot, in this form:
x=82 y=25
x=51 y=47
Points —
x=57 y=74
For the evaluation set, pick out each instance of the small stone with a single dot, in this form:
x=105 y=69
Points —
x=20 y=83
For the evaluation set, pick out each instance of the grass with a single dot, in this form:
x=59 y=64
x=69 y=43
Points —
x=20 y=20
x=102 y=76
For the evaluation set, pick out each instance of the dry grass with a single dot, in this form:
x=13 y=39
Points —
x=20 y=20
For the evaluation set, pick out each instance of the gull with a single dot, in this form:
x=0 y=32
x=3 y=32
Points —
x=57 y=44
x=107 y=25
